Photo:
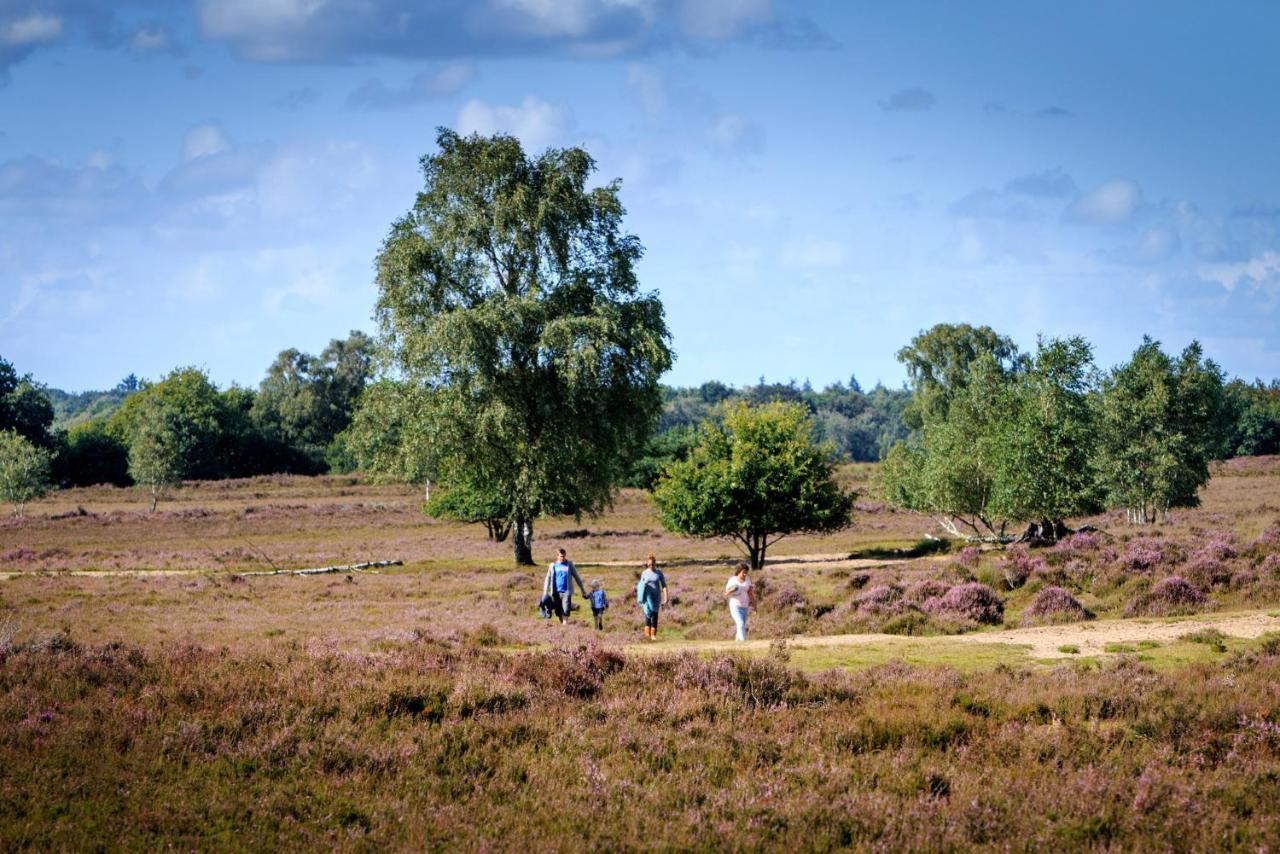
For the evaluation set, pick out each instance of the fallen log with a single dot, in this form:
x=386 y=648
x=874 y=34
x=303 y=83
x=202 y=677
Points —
x=322 y=570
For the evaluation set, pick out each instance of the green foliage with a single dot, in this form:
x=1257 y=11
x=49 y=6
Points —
x=162 y=441
x=861 y=425
x=1256 y=410
x=91 y=455
x=1008 y=445
x=1047 y=452
x=1162 y=421
x=662 y=450
x=508 y=297
x=188 y=399
x=305 y=401
x=24 y=470
x=25 y=407
x=466 y=502
x=755 y=476
x=387 y=438
x=939 y=363
x=950 y=469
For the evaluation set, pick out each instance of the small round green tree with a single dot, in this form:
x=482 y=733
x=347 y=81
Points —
x=160 y=448
x=755 y=476
x=24 y=470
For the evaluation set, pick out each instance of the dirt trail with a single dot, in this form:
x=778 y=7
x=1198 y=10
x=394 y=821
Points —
x=1041 y=641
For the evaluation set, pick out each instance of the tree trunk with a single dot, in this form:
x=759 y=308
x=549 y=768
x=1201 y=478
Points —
x=523 y=540
x=155 y=498
x=756 y=546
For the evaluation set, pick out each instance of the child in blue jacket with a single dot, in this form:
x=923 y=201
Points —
x=599 y=602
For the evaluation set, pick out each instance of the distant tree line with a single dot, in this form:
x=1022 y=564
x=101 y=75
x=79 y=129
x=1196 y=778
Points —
x=860 y=425
x=156 y=434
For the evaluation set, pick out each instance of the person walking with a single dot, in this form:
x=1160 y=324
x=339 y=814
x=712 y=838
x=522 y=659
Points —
x=651 y=595
x=741 y=596
x=599 y=604
x=561 y=576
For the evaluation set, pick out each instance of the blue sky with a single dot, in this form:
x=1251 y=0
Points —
x=207 y=183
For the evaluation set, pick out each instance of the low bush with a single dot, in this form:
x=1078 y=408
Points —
x=1018 y=565
x=881 y=599
x=970 y=601
x=1167 y=597
x=1054 y=605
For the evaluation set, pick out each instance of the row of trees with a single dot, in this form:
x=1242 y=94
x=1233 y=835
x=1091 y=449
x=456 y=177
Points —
x=183 y=426
x=1006 y=437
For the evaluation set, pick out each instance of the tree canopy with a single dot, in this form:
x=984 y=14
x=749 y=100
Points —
x=24 y=470
x=938 y=363
x=1009 y=446
x=1163 y=420
x=509 y=292
x=755 y=476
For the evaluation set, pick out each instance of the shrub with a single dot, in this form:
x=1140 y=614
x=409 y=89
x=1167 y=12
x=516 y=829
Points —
x=1270 y=564
x=1082 y=542
x=787 y=597
x=911 y=623
x=1018 y=565
x=971 y=601
x=926 y=588
x=968 y=557
x=1054 y=605
x=1169 y=596
x=1212 y=638
x=1268 y=540
x=1219 y=546
x=1206 y=571
x=881 y=599
x=1144 y=554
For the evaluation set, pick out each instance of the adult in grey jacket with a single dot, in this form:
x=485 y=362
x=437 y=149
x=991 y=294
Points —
x=561 y=576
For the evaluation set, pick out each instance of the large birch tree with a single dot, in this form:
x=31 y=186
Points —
x=508 y=300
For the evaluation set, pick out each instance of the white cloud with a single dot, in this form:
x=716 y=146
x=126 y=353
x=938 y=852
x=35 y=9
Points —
x=204 y=141
x=1111 y=203
x=534 y=121
x=1260 y=270
x=35 y=28
x=342 y=30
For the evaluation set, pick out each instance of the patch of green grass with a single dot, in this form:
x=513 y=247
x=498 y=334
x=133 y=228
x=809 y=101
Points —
x=1148 y=644
x=966 y=657
x=889 y=551
x=1069 y=649
x=1119 y=648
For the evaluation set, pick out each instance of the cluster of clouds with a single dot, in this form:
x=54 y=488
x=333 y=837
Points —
x=341 y=31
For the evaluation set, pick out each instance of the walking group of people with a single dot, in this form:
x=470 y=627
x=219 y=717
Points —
x=651 y=595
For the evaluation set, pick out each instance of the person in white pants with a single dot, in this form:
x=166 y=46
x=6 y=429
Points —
x=741 y=596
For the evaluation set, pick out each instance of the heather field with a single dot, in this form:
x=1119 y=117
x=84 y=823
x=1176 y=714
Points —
x=1119 y=690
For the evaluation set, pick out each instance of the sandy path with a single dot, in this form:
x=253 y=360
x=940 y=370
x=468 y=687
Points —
x=1041 y=641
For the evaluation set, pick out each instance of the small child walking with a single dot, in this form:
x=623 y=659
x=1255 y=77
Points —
x=599 y=602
